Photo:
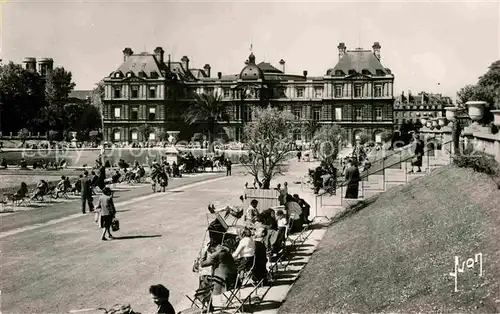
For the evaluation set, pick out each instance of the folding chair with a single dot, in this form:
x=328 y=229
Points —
x=201 y=302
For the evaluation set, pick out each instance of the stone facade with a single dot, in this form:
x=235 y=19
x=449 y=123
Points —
x=413 y=107
x=146 y=89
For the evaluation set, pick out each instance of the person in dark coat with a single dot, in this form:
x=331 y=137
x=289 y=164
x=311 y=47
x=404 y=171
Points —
x=306 y=208
x=228 y=167
x=352 y=177
x=160 y=295
x=86 y=192
x=101 y=182
x=418 y=152
x=224 y=269
x=107 y=212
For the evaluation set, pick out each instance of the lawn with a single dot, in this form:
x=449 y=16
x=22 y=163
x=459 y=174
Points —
x=396 y=254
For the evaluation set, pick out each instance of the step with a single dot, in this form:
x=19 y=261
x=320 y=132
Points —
x=370 y=193
x=390 y=185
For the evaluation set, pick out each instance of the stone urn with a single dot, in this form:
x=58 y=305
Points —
x=442 y=121
x=428 y=124
x=496 y=117
x=423 y=120
x=435 y=123
x=451 y=113
x=476 y=110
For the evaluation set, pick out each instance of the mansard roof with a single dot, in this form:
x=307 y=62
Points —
x=358 y=60
x=142 y=62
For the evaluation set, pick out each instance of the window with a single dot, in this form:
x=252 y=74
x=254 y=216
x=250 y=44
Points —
x=134 y=113
x=152 y=136
x=227 y=93
x=318 y=92
x=236 y=94
x=358 y=114
x=378 y=90
x=339 y=73
x=281 y=92
x=358 y=90
x=300 y=92
x=378 y=113
x=152 y=92
x=209 y=90
x=117 y=113
x=316 y=114
x=134 y=136
x=135 y=92
x=248 y=113
x=118 y=92
x=338 y=114
x=296 y=113
x=152 y=113
x=116 y=135
x=237 y=112
x=338 y=91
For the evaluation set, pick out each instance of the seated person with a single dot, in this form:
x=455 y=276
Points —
x=115 y=178
x=269 y=219
x=61 y=186
x=282 y=224
x=23 y=164
x=306 y=208
x=22 y=192
x=260 y=268
x=41 y=189
x=223 y=267
x=252 y=212
x=245 y=252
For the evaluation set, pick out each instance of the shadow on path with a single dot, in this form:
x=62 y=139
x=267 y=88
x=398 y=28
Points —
x=266 y=305
x=138 y=237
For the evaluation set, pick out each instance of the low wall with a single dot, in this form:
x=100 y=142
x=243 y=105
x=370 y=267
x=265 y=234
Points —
x=87 y=156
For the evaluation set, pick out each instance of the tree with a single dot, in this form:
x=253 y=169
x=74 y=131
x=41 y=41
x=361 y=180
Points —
x=22 y=95
x=58 y=85
x=162 y=136
x=492 y=77
x=476 y=92
x=364 y=138
x=207 y=108
x=145 y=130
x=327 y=141
x=268 y=138
x=386 y=136
x=310 y=127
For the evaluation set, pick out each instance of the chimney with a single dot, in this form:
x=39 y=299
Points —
x=342 y=48
x=219 y=75
x=376 y=49
x=409 y=95
x=282 y=63
x=159 y=54
x=127 y=52
x=305 y=73
x=30 y=64
x=207 y=68
x=185 y=63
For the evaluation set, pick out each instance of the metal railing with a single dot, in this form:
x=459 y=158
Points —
x=381 y=170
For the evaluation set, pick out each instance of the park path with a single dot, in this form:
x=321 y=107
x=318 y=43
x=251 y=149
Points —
x=63 y=266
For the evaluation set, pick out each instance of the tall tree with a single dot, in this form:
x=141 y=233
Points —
x=310 y=127
x=58 y=85
x=207 y=108
x=476 y=92
x=268 y=137
x=327 y=141
x=21 y=94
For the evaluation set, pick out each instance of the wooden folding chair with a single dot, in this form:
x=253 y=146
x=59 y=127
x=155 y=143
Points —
x=201 y=301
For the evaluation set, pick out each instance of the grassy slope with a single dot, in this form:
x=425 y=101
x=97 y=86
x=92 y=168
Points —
x=396 y=254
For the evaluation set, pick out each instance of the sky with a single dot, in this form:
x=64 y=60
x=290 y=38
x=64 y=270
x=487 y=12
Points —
x=429 y=46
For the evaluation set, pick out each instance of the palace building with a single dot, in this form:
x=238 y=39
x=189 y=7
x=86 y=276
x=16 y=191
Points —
x=410 y=108
x=357 y=93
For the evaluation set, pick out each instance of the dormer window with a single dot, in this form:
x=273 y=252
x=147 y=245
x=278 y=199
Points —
x=366 y=72
x=130 y=74
x=154 y=74
x=118 y=74
x=352 y=72
x=380 y=73
x=142 y=74
x=339 y=73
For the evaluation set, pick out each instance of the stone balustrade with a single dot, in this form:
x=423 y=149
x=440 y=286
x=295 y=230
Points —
x=480 y=137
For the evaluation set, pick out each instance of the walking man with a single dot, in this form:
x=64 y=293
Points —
x=228 y=167
x=86 y=189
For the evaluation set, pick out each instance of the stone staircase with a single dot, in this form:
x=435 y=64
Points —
x=392 y=175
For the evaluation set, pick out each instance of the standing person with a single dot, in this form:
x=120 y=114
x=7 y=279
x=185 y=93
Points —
x=352 y=177
x=418 y=152
x=101 y=182
x=228 y=167
x=299 y=155
x=107 y=212
x=86 y=192
x=160 y=295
